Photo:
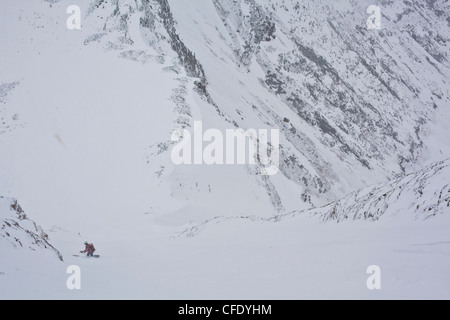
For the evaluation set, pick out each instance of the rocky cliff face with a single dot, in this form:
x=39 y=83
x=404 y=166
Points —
x=20 y=232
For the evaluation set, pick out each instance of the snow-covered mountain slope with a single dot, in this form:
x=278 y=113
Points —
x=353 y=104
x=26 y=253
x=298 y=258
x=86 y=118
x=99 y=106
x=391 y=228
x=418 y=196
x=17 y=231
x=421 y=195
x=292 y=256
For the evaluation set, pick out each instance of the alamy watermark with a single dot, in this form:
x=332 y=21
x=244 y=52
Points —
x=235 y=147
x=73 y=22
x=374 y=21
x=74 y=280
x=374 y=280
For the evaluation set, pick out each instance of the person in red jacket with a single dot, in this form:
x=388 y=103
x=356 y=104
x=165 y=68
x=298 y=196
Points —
x=89 y=249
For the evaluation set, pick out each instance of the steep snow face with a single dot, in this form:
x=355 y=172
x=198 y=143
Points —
x=353 y=104
x=86 y=114
x=87 y=117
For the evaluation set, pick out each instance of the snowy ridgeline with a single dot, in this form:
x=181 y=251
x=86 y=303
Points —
x=422 y=195
x=418 y=196
x=17 y=231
